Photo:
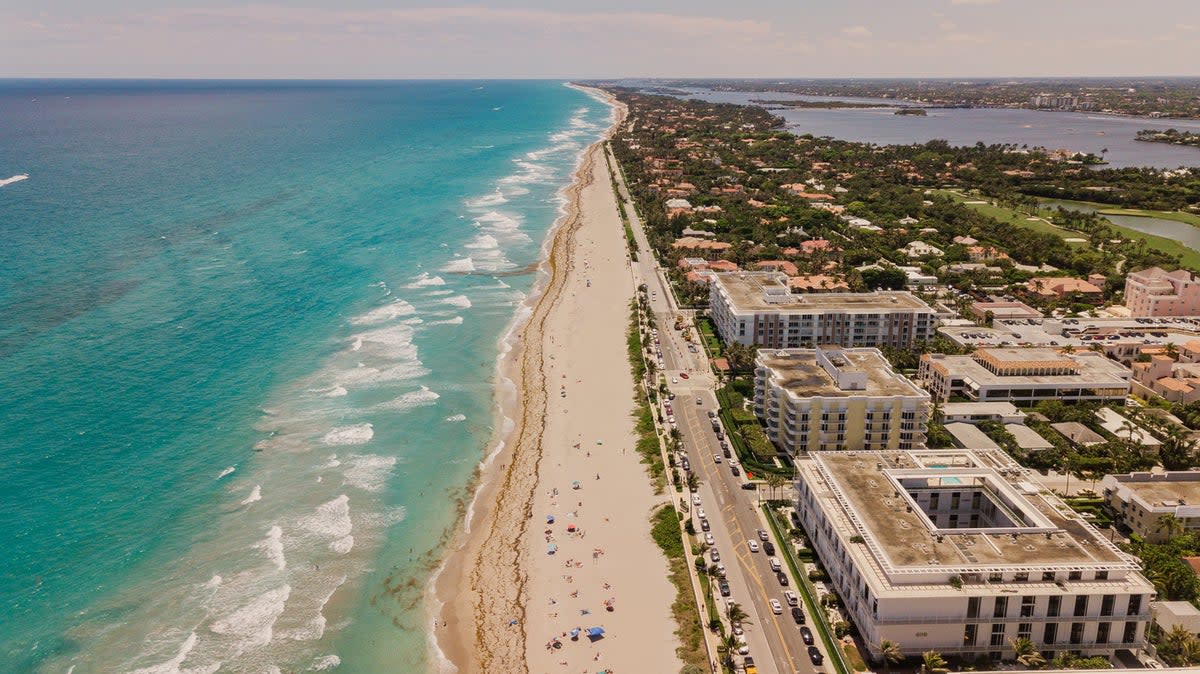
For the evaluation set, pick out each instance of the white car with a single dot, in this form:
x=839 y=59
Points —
x=776 y=607
x=775 y=565
x=700 y=513
x=716 y=458
x=708 y=538
x=762 y=534
x=695 y=499
x=753 y=545
x=792 y=599
x=674 y=380
x=743 y=648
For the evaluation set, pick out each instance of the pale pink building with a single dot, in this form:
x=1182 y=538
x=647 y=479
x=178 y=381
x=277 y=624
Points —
x=1154 y=292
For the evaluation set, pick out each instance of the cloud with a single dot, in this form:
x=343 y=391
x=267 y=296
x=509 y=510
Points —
x=861 y=32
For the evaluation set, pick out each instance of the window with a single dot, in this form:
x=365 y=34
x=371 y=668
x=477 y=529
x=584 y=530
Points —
x=1021 y=576
x=1102 y=633
x=997 y=634
x=1076 y=633
x=1130 y=632
x=970 y=635
x=973 y=607
x=1048 y=576
x=1081 y=605
x=1050 y=633
x=1027 y=606
x=1075 y=575
x=1106 y=605
x=1025 y=631
x=1135 y=605
x=1053 y=607
x=1101 y=575
x=995 y=577
x=1001 y=608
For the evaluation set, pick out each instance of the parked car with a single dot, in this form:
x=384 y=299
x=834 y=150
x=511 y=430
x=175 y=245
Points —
x=705 y=526
x=798 y=615
x=735 y=471
x=776 y=607
x=775 y=565
x=769 y=548
x=714 y=555
x=716 y=458
x=815 y=656
x=807 y=635
x=723 y=586
x=762 y=534
x=708 y=538
x=753 y=545
x=782 y=578
x=791 y=598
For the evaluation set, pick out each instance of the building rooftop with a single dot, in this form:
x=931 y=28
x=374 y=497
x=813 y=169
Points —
x=1161 y=491
x=998 y=409
x=804 y=373
x=970 y=436
x=1033 y=366
x=758 y=291
x=1033 y=531
x=1027 y=438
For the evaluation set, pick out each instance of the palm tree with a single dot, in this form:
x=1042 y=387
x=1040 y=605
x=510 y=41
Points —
x=1171 y=350
x=737 y=614
x=1027 y=653
x=1169 y=524
x=890 y=652
x=775 y=481
x=932 y=661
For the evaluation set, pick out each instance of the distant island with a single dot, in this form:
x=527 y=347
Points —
x=1170 y=136
x=822 y=105
x=911 y=112
x=1155 y=97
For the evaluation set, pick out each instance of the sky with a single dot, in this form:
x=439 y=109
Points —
x=598 y=38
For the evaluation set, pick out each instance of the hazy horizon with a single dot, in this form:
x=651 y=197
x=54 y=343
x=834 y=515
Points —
x=535 y=39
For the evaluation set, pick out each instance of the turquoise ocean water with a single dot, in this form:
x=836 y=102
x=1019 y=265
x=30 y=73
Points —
x=248 y=335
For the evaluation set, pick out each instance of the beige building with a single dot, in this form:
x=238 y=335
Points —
x=1024 y=375
x=829 y=399
x=760 y=308
x=963 y=551
x=1139 y=501
x=1154 y=292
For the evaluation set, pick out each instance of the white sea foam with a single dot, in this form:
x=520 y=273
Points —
x=331 y=462
x=15 y=179
x=387 y=518
x=227 y=471
x=461 y=265
x=272 y=547
x=357 y=434
x=342 y=545
x=335 y=392
x=325 y=662
x=410 y=400
x=171 y=666
x=483 y=242
x=423 y=280
x=456 y=417
x=364 y=375
x=332 y=519
x=457 y=320
x=497 y=222
x=214 y=582
x=492 y=199
x=368 y=471
x=461 y=301
x=388 y=312
x=255 y=495
x=252 y=624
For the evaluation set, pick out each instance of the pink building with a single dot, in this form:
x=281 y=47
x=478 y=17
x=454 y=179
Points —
x=1154 y=292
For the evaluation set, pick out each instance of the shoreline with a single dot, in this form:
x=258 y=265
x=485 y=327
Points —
x=460 y=645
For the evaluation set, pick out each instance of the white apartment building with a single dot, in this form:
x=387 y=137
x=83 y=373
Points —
x=1154 y=292
x=830 y=399
x=760 y=308
x=1024 y=375
x=962 y=551
x=1139 y=500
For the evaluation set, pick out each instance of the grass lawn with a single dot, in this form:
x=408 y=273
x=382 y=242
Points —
x=1011 y=216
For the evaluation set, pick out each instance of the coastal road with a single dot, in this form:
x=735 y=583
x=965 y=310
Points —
x=774 y=640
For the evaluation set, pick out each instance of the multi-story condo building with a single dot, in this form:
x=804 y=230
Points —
x=1024 y=375
x=829 y=398
x=1140 y=500
x=760 y=308
x=963 y=551
x=1154 y=292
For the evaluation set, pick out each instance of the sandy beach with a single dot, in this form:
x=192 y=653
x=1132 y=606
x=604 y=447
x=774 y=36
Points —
x=560 y=532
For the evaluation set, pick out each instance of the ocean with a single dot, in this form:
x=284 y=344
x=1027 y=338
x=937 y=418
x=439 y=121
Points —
x=248 y=345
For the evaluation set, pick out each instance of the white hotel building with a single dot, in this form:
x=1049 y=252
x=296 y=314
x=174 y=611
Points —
x=829 y=399
x=962 y=552
x=760 y=308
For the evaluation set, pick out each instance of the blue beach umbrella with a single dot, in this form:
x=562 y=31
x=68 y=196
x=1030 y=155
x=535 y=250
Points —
x=595 y=632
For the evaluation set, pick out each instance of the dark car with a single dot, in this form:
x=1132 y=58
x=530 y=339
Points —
x=704 y=525
x=724 y=587
x=798 y=615
x=750 y=485
x=815 y=655
x=735 y=471
x=781 y=576
x=769 y=548
x=806 y=635
x=725 y=452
